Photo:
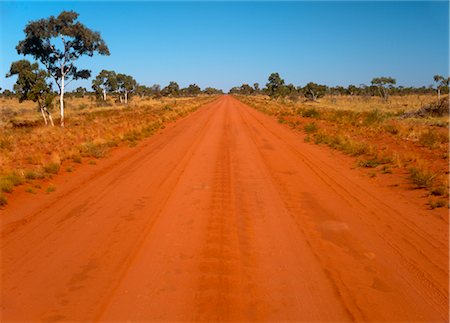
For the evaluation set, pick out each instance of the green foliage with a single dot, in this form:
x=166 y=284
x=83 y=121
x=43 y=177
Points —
x=31 y=84
x=314 y=91
x=105 y=82
x=191 y=90
x=384 y=84
x=173 y=90
x=275 y=85
x=58 y=42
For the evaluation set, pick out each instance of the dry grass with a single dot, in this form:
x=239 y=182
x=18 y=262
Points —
x=36 y=151
x=373 y=131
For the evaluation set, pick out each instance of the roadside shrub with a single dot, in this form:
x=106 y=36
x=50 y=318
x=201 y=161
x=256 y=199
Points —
x=368 y=163
x=310 y=113
x=432 y=138
x=90 y=149
x=52 y=168
x=131 y=136
x=6 y=185
x=310 y=128
x=421 y=177
x=14 y=178
x=374 y=116
x=30 y=175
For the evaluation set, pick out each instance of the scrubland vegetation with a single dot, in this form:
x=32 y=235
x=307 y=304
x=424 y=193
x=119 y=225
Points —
x=384 y=137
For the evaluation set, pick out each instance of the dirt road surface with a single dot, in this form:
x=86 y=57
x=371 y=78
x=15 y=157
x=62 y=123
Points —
x=225 y=216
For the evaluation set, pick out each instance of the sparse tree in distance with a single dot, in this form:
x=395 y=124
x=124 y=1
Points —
x=384 y=84
x=256 y=87
x=75 y=40
x=79 y=92
x=212 y=91
x=275 y=85
x=32 y=85
x=313 y=91
x=105 y=82
x=442 y=83
x=173 y=89
x=192 y=90
x=126 y=85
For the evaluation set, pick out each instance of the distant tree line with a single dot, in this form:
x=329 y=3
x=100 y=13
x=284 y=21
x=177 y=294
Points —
x=56 y=44
x=379 y=86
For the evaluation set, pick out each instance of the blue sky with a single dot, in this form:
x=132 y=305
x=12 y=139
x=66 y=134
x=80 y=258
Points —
x=223 y=44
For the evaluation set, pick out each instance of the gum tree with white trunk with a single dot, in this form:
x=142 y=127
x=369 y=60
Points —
x=58 y=42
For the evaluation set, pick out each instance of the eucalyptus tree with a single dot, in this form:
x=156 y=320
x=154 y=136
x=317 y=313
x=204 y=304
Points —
x=31 y=84
x=105 y=82
x=173 y=89
x=275 y=85
x=58 y=42
x=126 y=85
x=384 y=84
x=314 y=91
x=442 y=84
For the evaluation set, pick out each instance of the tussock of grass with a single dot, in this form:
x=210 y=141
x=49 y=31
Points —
x=368 y=163
x=52 y=168
x=90 y=149
x=311 y=128
x=50 y=189
x=421 y=177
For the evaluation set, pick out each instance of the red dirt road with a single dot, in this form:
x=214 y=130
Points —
x=225 y=216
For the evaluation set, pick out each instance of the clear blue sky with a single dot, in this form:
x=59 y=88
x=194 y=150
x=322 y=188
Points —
x=223 y=44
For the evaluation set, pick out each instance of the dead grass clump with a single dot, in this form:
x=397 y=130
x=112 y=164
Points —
x=438 y=108
x=52 y=168
x=7 y=182
x=431 y=138
x=91 y=149
x=422 y=177
x=6 y=142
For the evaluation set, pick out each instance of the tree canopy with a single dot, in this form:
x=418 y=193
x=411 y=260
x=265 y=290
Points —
x=57 y=42
x=31 y=84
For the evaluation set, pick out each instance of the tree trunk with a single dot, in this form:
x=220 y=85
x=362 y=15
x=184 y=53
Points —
x=43 y=116
x=61 y=101
x=439 y=93
x=104 y=94
x=126 y=97
x=49 y=116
